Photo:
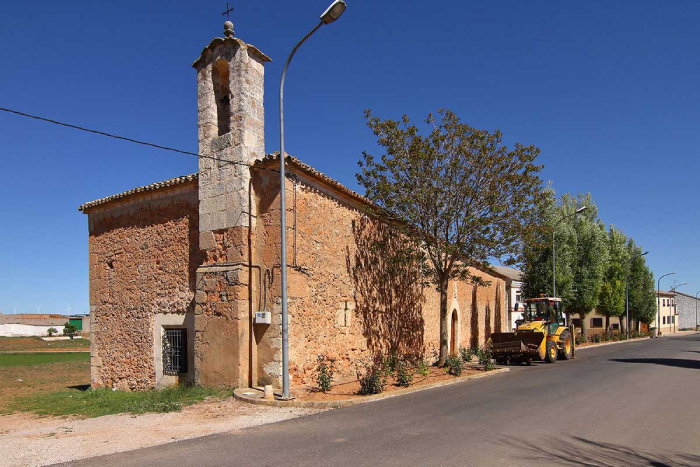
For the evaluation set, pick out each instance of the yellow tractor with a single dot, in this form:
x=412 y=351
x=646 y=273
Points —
x=540 y=335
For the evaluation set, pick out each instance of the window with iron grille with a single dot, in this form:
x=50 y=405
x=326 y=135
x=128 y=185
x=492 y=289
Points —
x=174 y=351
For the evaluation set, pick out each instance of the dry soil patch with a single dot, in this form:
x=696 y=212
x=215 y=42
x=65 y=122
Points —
x=27 y=440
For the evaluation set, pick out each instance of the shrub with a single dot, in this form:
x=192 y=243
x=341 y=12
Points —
x=454 y=365
x=391 y=362
x=580 y=339
x=325 y=368
x=422 y=368
x=51 y=331
x=404 y=375
x=69 y=330
x=486 y=359
x=466 y=353
x=374 y=380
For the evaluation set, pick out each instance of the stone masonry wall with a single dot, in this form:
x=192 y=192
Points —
x=143 y=255
x=686 y=309
x=343 y=302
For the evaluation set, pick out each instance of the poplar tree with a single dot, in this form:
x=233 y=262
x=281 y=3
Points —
x=642 y=295
x=460 y=190
x=612 y=291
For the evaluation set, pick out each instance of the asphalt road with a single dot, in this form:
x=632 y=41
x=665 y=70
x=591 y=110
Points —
x=631 y=404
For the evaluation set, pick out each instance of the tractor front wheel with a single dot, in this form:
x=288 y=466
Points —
x=566 y=345
x=551 y=352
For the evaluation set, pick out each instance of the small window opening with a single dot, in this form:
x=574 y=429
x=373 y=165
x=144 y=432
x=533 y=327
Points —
x=222 y=94
x=175 y=351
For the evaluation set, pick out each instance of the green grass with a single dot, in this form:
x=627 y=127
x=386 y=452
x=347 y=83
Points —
x=26 y=359
x=99 y=402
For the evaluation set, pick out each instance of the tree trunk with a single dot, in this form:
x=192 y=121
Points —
x=584 y=333
x=443 y=323
x=621 y=319
x=607 y=323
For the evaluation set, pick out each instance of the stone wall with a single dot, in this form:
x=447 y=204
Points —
x=345 y=298
x=143 y=257
x=686 y=309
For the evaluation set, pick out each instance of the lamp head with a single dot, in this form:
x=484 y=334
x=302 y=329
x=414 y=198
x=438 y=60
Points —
x=333 y=12
x=644 y=254
x=581 y=209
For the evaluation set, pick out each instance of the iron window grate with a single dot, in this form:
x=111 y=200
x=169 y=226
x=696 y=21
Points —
x=175 y=351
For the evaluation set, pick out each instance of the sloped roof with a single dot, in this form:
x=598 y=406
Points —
x=140 y=189
x=510 y=273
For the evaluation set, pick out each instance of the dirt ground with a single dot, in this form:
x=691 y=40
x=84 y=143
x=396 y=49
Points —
x=349 y=389
x=27 y=440
x=36 y=344
x=31 y=379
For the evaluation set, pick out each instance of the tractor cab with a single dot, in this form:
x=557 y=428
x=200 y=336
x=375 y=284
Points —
x=545 y=309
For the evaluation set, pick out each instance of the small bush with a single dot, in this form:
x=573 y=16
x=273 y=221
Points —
x=422 y=368
x=374 y=380
x=325 y=368
x=404 y=374
x=466 y=353
x=69 y=330
x=486 y=359
x=454 y=365
x=51 y=331
x=391 y=362
x=580 y=339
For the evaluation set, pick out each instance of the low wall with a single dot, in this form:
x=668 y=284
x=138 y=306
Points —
x=19 y=330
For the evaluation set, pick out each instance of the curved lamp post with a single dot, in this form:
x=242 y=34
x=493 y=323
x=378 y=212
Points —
x=554 y=252
x=673 y=307
x=627 y=292
x=658 y=302
x=331 y=14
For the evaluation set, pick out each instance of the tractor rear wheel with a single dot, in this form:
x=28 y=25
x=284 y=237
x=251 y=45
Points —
x=566 y=345
x=551 y=352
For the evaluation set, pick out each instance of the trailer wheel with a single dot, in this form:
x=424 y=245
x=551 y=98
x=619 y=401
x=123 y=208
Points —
x=551 y=352
x=566 y=345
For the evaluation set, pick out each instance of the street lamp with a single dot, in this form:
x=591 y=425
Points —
x=696 y=309
x=627 y=292
x=331 y=14
x=673 y=306
x=554 y=252
x=658 y=302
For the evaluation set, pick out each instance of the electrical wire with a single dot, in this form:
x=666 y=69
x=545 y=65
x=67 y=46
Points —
x=124 y=138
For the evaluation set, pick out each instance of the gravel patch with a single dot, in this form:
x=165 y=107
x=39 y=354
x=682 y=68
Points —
x=28 y=440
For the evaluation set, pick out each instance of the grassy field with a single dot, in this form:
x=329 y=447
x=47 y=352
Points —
x=35 y=344
x=58 y=383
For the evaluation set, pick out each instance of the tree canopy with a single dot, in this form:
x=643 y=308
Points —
x=459 y=189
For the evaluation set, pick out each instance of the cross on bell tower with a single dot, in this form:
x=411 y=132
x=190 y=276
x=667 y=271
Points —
x=228 y=10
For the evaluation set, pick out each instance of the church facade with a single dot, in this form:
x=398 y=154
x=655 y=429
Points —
x=180 y=269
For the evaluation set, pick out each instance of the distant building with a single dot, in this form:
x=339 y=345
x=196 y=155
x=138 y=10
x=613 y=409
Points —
x=30 y=324
x=667 y=316
x=514 y=291
x=38 y=324
x=687 y=307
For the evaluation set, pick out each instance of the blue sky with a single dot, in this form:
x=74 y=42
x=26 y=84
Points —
x=607 y=90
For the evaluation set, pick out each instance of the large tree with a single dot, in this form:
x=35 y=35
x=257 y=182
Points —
x=581 y=254
x=612 y=291
x=459 y=189
x=642 y=297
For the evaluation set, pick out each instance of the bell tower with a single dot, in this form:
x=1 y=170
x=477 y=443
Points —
x=231 y=130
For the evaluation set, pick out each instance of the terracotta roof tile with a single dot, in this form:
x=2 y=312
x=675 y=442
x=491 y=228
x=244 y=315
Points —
x=141 y=189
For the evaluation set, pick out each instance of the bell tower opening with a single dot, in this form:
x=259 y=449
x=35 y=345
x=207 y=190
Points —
x=222 y=94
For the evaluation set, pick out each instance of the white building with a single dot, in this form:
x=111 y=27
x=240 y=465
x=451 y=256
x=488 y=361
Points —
x=514 y=286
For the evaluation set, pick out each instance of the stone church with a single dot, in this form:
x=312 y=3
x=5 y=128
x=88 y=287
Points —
x=179 y=268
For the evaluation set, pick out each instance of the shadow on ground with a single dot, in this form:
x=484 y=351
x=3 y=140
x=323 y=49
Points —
x=676 y=362
x=581 y=451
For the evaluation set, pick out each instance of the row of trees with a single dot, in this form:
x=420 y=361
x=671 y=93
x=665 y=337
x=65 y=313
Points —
x=594 y=265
